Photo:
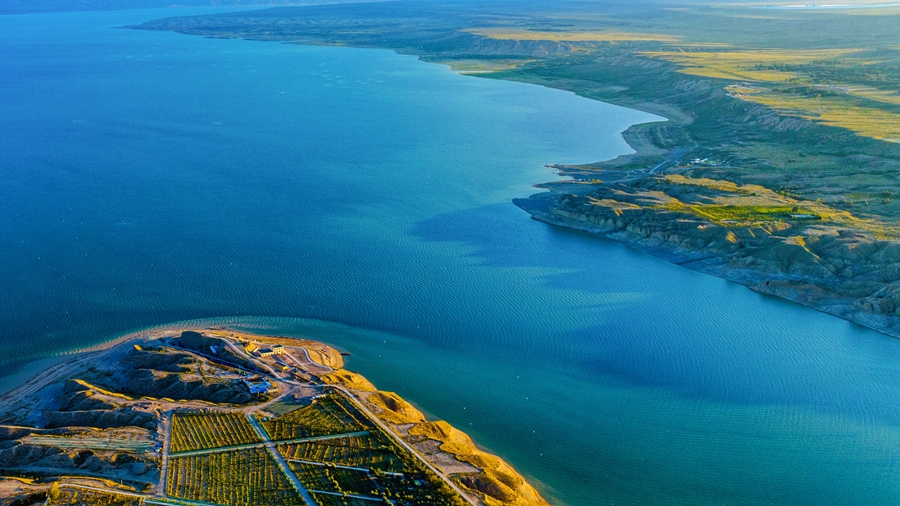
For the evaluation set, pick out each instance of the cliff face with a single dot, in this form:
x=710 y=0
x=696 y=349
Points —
x=799 y=250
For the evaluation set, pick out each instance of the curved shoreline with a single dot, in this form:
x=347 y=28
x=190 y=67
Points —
x=545 y=207
x=711 y=266
x=802 y=159
x=480 y=478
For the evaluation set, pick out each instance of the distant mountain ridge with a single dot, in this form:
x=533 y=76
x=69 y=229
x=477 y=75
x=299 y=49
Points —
x=34 y=6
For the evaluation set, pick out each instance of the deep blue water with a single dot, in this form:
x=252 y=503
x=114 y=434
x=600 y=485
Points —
x=364 y=198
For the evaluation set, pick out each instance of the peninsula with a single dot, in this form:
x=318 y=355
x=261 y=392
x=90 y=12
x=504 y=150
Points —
x=776 y=166
x=218 y=417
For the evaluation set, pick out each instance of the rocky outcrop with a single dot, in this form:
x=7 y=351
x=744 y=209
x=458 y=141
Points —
x=100 y=419
x=152 y=383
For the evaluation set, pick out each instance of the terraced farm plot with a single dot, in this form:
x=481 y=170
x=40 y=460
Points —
x=199 y=431
x=331 y=479
x=238 y=478
x=356 y=451
x=327 y=415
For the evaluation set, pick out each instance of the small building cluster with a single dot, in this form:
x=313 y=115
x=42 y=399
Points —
x=253 y=349
x=258 y=385
x=274 y=350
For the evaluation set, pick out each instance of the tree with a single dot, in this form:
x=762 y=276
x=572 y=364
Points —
x=54 y=491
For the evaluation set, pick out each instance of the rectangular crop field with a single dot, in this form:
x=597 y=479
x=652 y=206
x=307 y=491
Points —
x=199 y=431
x=283 y=407
x=238 y=478
x=337 y=500
x=421 y=488
x=355 y=451
x=332 y=479
x=327 y=415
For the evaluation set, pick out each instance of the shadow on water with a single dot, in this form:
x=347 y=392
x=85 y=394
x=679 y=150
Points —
x=715 y=346
x=501 y=235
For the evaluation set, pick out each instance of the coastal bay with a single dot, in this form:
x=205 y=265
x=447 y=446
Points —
x=782 y=143
x=600 y=373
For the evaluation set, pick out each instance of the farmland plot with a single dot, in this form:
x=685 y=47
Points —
x=237 y=478
x=356 y=451
x=199 y=431
x=327 y=415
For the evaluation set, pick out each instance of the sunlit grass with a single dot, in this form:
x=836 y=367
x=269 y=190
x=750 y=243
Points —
x=739 y=205
x=746 y=65
x=833 y=111
x=477 y=66
x=837 y=105
x=869 y=93
x=570 y=36
x=745 y=214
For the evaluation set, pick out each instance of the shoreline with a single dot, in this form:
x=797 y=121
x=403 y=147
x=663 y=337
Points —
x=710 y=265
x=637 y=136
x=30 y=368
x=743 y=140
x=480 y=478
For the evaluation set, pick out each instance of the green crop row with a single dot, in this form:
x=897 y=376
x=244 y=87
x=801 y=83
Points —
x=198 y=431
x=237 y=478
x=326 y=415
x=357 y=451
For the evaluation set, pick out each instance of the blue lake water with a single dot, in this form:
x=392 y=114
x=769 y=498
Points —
x=364 y=198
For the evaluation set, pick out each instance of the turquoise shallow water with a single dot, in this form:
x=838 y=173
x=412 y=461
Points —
x=364 y=198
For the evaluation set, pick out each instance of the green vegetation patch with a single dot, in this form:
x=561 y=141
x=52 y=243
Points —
x=283 y=407
x=339 y=500
x=334 y=479
x=237 y=478
x=79 y=497
x=199 y=431
x=412 y=488
x=366 y=451
x=742 y=214
x=420 y=488
x=329 y=414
